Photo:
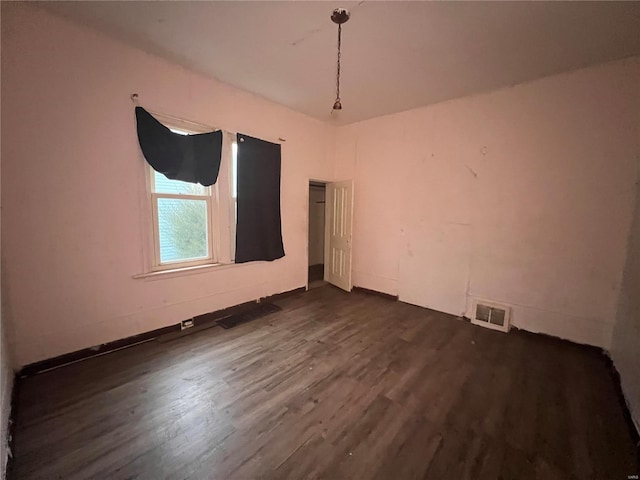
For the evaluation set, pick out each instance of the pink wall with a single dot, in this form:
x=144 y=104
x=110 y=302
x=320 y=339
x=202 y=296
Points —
x=72 y=206
x=6 y=387
x=522 y=196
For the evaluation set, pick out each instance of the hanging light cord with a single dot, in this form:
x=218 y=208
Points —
x=338 y=71
x=339 y=16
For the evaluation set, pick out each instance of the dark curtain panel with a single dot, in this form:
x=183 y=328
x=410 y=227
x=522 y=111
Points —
x=258 y=230
x=190 y=158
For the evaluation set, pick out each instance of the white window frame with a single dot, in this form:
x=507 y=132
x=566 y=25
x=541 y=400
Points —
x=211 y=240
x=220 y=205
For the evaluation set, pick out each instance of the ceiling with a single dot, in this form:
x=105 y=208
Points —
x=395 y=56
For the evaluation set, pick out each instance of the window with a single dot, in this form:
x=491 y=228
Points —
x=188 y=221
x=182 y=221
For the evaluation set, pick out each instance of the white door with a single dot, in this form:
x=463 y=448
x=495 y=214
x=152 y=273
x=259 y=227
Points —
x=338 y=226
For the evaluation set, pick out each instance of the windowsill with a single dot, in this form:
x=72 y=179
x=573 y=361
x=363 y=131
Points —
x=177 y=272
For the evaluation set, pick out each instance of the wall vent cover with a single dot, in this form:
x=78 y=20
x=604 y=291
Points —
x=491 y=315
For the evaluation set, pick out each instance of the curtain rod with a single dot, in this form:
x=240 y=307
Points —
x=135 y=99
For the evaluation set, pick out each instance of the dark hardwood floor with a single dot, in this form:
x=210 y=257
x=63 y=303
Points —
x=334 y=386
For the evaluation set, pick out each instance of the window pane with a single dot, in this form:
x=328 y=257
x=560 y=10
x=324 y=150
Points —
x=164 y=185
x=182 y=225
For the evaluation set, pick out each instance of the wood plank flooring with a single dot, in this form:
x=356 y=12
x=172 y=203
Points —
x=334 y=386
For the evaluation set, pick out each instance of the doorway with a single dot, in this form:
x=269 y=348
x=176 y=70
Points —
x=317 y=203
x=330 y=227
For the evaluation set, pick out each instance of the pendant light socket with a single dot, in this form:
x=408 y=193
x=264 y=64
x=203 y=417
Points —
x=337 y=105
x=340 y=15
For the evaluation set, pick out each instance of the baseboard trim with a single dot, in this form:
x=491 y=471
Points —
x=85 y=353
x=557 y=339
x=279 y=296
x=211 y=317
x=368 y=291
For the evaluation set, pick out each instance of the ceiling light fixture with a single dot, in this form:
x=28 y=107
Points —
x=339 y=16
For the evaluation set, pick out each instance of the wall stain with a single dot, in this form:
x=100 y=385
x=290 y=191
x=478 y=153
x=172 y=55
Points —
x=475 y=175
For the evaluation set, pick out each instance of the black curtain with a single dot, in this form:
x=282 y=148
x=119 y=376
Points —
x=190 y=158
x=258 y=230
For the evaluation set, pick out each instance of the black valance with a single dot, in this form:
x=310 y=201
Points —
x=258 y=230
x=190 y=158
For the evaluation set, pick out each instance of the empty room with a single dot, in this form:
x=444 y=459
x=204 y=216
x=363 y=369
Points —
x=337 y=240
